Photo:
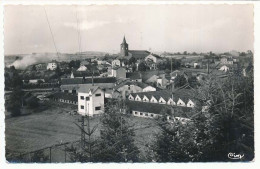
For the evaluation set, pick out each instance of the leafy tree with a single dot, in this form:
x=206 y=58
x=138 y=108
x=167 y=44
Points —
x=15 y=101
x=142 y=67
x=185 y=53
x=226 y=125
x=134 y=68
x=117 y=136
x=89 y=150
x=32 y=102
x=179 y=81
x=132 y=60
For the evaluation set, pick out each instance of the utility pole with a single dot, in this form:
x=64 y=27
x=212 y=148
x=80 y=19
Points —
x=82 y=140
x=171 y=64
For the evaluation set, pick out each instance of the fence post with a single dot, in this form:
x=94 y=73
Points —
x=65 y=152
x=50 y=154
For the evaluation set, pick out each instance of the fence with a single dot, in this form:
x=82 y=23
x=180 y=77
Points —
x=53 y=154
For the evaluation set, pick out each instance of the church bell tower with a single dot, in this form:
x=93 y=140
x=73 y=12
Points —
x=124 y=48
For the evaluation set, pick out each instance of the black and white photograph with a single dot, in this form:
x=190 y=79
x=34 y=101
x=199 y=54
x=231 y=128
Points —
x=150 y=83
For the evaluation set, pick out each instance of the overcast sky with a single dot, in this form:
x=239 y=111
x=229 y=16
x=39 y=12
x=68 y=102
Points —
x=172 y=28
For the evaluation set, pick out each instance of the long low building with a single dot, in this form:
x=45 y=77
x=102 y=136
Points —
x=150 y=110
x=69 y=85
x=64 y=98
x=179 y=98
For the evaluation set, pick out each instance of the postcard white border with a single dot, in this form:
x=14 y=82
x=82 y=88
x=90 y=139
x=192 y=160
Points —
x=247 y=165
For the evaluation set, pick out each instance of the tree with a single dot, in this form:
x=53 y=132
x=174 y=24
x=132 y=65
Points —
x=134 y=68
x=15 y=101
x=179 y=81
x=117 y=136
x=32 y=102
x=185 y=53
x=225 y=126
x=89 y=150
x=142 y=67
x=132 y=60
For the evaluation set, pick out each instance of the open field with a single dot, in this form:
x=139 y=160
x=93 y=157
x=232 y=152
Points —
x=55 y=125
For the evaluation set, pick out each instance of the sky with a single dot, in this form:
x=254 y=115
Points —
x=158 y=28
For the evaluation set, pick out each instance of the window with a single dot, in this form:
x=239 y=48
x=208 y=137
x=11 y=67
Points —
x=146 y=114
x=135 y=112
x=82 y=97
x=74 y=91
x=66 y=91
x=141 y=114
x=98 y=108
x=87 y=98
x=128 y=87
x=151 y=115
x=82 y=107
x=99 y=94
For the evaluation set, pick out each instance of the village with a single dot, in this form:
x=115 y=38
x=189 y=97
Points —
x=148 y=84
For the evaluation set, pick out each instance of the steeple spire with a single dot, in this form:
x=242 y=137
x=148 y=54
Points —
x=124 y=41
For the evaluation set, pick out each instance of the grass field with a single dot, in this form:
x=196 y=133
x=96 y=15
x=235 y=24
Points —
x=39 y=129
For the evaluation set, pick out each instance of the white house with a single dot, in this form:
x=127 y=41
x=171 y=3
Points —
x=153 y=57
x=52 y=65
x=119 y=72
x=90 y=100
x=82 y=68
x=224 y=68
x=117 y=62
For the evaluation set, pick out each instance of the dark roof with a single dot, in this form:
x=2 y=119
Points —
x=88 y=80
x=139 y=54
x=148 y=74
x=157 y=56
x=87 y=88
x=71 y=81
x=140 y=84
x=65 y=96
x=158 y=108
x=85 y=73
x=133 y=75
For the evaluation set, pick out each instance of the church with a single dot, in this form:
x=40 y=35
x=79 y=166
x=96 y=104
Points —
x=125 y=53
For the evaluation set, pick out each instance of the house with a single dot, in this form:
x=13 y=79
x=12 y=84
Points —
x=69 y=85
x=52 y=65
x=90 y=100
x=34 y=81
x=159 y=80
x=111 y=93
x=224 y=68
x=226 y=60
x=81 y=74
x=134 y=76
x=82 y=68
x=128 y=87
x=153 y=58
x=117 y=62
x=119 y=72
x=197 y=65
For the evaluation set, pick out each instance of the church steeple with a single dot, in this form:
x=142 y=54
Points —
x=124 y=48
x=124 y=41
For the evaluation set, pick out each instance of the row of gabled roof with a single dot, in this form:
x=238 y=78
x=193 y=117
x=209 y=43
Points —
x=183 y=94
x=176 y=111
